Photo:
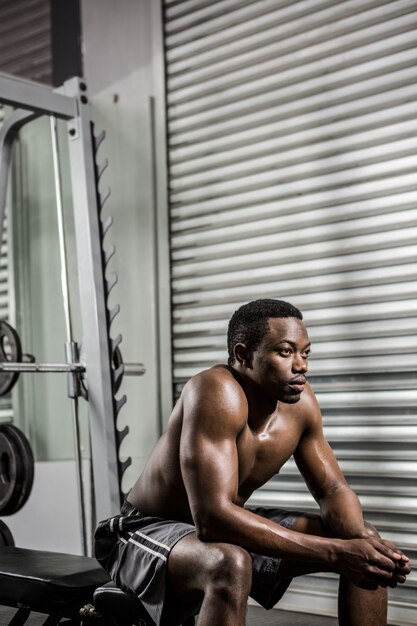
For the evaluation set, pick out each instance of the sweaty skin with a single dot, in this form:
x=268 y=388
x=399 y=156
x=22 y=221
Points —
x=232 y=430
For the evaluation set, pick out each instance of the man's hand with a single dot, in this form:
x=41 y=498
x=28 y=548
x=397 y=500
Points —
x=402 y=565
x=371 y=563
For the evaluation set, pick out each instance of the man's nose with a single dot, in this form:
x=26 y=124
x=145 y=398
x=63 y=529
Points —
x=300 y=363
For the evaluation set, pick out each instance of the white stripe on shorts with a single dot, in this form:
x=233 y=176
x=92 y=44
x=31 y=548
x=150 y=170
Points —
x=140 y=545
x=157 y=543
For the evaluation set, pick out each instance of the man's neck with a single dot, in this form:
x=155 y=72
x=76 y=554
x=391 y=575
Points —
x=260 y=407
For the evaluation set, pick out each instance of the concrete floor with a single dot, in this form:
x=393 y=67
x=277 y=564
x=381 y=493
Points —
x=256 y=617
x=275 y=617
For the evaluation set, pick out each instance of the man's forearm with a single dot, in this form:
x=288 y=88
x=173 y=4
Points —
x=257 y=534
x=342 y=512
x=362 y=560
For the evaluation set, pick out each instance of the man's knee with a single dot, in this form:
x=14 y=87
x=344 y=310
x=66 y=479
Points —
x=229 y=567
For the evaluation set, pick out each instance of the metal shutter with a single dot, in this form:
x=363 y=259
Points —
x=25 y=51
x=6 y=298
x=292 y=147
x=25 y=39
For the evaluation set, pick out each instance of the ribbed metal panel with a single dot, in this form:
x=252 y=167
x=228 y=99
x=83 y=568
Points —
x=6 y=409
x=25 y=39
x=292 y=147
x=25 y=51
x=4 y=275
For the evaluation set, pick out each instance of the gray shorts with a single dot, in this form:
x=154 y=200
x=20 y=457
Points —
x=134 y=549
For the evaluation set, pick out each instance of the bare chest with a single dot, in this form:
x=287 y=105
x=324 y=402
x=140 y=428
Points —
x=261 y=456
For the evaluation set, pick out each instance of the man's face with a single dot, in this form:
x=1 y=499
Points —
x=280 y=363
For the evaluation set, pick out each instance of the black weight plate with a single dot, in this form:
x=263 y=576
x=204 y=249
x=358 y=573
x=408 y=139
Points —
x=10 y=473
x=6 y=537
x=10 y=350
x=25 y=465
x=28 y=462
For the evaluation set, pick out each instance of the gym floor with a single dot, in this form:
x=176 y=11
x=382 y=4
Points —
x=256 y=617
x=259 y=617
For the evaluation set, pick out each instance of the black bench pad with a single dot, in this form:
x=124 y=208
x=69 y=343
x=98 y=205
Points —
x=125 y=608
x=109 y=600
x=39 y=579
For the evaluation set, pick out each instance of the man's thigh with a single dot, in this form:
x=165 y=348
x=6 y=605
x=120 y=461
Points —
x=186 y=565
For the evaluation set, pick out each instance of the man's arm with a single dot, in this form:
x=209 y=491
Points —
x=214 y=415
x=339 y=505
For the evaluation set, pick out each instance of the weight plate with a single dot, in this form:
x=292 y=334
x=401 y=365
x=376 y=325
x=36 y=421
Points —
x=16 y=469
x=10 y=350
x=25 y=456
x=6 y=537
x=10 y=478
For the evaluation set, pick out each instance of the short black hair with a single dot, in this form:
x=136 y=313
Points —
x=249 y=323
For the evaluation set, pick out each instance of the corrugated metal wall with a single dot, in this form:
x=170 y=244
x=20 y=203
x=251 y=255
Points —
x=292 y=146
x=25 y=39
x=25 y=51
x=6 y=411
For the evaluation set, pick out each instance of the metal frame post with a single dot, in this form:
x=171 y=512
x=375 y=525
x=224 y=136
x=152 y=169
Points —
x=70 y=103
x=94 y=310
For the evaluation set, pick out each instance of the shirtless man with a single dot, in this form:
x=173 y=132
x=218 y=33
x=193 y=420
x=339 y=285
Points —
x=185 y=542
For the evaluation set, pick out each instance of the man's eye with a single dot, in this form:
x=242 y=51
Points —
x=285 y=351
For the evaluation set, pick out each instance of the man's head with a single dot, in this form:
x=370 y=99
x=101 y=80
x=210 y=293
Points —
x=249 y=323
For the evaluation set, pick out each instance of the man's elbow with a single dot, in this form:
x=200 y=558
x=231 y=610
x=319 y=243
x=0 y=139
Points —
x=205 y=534
x=207 y=526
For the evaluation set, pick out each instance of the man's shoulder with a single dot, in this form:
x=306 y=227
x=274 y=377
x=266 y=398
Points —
x=218 y=387
x=220 y=375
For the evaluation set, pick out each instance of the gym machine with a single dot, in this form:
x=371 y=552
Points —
x=72 y=589
x=70 y=103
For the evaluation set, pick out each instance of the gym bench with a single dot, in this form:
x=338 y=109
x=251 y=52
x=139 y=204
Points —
x=69 y=589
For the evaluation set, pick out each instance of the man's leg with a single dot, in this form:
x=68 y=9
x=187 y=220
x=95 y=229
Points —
x=356 y=607
x=220 y=574
x=359 y=606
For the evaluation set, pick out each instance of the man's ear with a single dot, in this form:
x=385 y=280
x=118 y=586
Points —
x=241 y=354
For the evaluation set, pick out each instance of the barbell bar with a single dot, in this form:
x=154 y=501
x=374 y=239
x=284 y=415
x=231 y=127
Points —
x=131 y=369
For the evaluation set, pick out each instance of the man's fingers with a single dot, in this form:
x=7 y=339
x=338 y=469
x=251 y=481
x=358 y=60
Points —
x=403 y=557
x=400 y=579
x=395 y=550
x=403 y=569
x=402 y=565
x=383 y=562
x=405 y=560
x=381 y=546
x=383 y=576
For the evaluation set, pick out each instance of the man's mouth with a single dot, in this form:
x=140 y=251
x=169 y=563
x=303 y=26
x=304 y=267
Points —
x=298 y=384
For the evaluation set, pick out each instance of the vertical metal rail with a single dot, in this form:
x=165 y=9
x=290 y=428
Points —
x=94 y=311
x=71 y=348
x=61 y=230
